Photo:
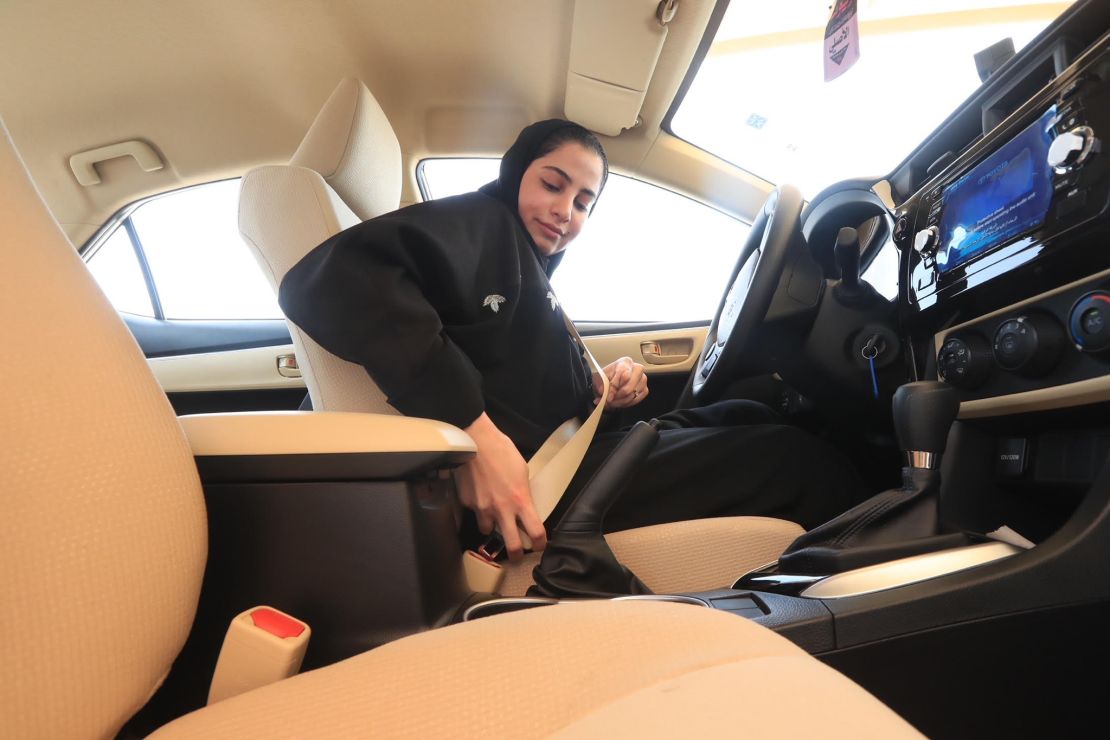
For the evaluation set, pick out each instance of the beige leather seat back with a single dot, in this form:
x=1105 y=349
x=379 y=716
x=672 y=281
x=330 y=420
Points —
x=346 y=170
x=103 y=531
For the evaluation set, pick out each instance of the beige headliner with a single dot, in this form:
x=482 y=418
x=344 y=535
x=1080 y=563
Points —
x=218 y=87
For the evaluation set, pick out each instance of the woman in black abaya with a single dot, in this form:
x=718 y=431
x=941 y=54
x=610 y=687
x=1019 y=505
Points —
x=447 y=305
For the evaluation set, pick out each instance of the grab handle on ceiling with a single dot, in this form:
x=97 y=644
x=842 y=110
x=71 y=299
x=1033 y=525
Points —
x=86 y=174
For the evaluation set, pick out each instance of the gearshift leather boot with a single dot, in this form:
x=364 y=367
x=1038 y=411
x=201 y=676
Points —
x=894 y=524
x=577 y=562
x=581 y=565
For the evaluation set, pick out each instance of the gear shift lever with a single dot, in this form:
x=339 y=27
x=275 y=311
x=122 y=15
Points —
x=899 y=522
x=923 y=414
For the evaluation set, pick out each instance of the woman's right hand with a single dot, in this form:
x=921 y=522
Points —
x=494 y=485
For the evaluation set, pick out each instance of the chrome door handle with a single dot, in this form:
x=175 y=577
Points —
x=667 y=351
x=287 y=366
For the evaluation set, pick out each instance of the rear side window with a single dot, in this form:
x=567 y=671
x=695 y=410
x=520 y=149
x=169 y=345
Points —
x=180 y=256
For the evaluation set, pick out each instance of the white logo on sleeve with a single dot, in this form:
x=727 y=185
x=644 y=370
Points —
x=554 y=301
x=494 y=302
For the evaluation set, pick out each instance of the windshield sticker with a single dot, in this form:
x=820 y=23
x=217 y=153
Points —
x=841 y=39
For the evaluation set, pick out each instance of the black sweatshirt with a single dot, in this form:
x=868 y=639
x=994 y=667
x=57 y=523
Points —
x=448 y=307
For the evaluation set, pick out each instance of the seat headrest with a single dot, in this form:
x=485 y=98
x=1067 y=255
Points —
x=353 y=147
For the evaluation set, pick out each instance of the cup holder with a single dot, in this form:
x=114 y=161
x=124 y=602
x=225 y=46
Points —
x=675 y=598
x=494 y=607
x=505 y=605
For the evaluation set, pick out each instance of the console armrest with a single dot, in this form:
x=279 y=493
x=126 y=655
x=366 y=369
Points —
x=321 y=445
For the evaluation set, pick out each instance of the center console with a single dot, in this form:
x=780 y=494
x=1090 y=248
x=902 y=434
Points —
x=1003 y=235
x=346 y=521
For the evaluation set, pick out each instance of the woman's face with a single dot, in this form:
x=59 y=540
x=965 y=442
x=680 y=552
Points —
x=556 y=194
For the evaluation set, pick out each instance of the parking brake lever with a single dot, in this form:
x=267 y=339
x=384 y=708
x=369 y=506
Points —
x=577 y=561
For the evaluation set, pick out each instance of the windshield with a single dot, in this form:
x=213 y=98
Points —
x=760 y=101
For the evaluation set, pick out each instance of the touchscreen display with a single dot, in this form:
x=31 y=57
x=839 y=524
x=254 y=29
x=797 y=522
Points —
x=1006 y=194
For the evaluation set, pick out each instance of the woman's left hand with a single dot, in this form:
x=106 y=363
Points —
x=627 y=383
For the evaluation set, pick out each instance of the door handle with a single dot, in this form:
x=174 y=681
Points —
x=287 y=366
x=667 y=351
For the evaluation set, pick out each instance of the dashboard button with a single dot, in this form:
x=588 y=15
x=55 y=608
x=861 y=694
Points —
x=1073 y=87
x=1071 y=202
x=1092 y=321
x=901 y=226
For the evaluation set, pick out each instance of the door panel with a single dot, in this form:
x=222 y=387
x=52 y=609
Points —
x=668 y=355
x=220 y=366
x=235 y=370
x=660 y=351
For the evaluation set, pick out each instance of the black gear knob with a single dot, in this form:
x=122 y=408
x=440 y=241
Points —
x=923 y=414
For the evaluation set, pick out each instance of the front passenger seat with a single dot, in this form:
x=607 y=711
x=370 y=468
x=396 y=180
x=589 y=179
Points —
x=347 y=169
x=103 y=541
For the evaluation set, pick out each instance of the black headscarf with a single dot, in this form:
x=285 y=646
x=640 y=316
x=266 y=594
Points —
x=506 y=188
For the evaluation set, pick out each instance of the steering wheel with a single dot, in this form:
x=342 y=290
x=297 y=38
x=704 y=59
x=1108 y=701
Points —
x=753 y=283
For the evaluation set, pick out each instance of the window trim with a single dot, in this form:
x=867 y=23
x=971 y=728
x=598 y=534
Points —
x=148 y=277
x=422 y=180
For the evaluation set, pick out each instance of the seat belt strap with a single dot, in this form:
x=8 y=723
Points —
x=553 y=466
x=550 y=471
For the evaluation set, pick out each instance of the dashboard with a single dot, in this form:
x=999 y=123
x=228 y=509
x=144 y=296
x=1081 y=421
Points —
x=998 y=229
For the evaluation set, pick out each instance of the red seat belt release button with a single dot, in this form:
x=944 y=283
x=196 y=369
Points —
x=276 y=623
x=262 y=645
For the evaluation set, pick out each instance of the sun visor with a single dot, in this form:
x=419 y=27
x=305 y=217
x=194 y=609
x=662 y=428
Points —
x=614 y=47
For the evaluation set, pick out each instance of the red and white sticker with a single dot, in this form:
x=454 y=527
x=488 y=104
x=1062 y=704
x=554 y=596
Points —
x=841 y=39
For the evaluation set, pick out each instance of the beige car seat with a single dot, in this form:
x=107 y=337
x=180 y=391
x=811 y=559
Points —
x=348 y=169
x=103 y=541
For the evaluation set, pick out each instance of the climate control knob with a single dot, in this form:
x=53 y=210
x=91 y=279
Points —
x=964 y=360
x=1029 y=345
x=1089 y=322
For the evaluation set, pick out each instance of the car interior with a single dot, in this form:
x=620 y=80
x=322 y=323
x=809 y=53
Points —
x=217 y=528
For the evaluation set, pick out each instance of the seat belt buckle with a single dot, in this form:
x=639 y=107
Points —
x=492 y=547
x=262 y=645
x=483 y=574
